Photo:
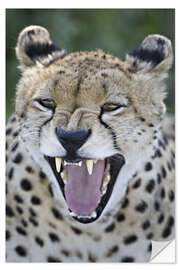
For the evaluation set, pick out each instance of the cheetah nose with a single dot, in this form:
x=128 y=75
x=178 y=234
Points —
x=72 y=140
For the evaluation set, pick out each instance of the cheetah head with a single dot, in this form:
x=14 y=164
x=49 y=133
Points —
x=87 y=118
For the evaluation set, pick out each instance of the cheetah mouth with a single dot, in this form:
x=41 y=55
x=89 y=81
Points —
x=86 y=184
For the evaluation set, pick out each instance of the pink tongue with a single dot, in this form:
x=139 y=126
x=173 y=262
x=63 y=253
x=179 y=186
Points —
x=82 y=190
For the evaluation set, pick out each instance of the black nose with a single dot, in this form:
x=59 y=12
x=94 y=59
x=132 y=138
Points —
x=72 y=140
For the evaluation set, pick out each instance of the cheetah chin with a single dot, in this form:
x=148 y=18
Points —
x=86 y=184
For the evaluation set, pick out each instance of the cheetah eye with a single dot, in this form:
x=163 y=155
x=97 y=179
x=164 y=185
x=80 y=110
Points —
x=111 y=107
x=46 y=103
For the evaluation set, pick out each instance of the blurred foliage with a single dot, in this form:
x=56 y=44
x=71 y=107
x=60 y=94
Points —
x=117 y=31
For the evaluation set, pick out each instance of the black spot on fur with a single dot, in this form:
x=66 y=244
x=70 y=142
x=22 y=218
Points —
x=156 y=206
x=120 y=217
x=53 y=259
x=21 y=231
x=18 y=199
x=127 y=259
x=39 y=241
x=19 y=210
x=8 y=235
x=15 y=134
x=125 y=203
x=169 y=166
x=26 y=185
x=141 y=207
x=163 y=193
x=9 y=211
x=14 y=147
x=171 y=221
x=150 y=186
x=29 y=169
x=105 y=75
x=112 y=251
x=157 y=154
x=148 y=166
x=159 y=180
x=65 y=252
x=161 y=218
x=50 y=190
x=13 y=119
x=146 y=225
x=91 y=258
x=163 y=170
x=18 y=158
x=54 y=237
x=76 y=230
x=161 y=144
x=42 y=175
x=149 y=249
x=11 y=173
x=32 y=212
x=8 y=131
x=142 y=119
x=149 y=236
x=24 y=223
x=21 y=251
x=166 y=232
x=110 y=228
x=57 y=214
x=137 y=183
x=130 y=239
x=171 y=195
x=34 y=222
x=35 y=200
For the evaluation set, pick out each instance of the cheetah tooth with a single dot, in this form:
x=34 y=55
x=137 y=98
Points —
x=94 y=214
x=72 y=214
x=64 y=177
x=58 y=162
x=79 y=163
x=103 y=191
x=89 y=164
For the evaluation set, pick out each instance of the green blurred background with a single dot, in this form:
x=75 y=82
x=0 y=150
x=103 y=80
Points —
x=116 y=31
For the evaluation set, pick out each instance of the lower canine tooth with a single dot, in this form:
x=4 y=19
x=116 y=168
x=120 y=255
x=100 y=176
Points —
x=64 y=177
x=94 y=214
x=72 y=214
x=89 y=164
x=58 y=164
x=104 y=189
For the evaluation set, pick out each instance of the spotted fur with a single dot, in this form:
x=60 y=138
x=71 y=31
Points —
x=141 y=207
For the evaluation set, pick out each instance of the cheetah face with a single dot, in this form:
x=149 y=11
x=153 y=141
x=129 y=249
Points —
x=84 y=116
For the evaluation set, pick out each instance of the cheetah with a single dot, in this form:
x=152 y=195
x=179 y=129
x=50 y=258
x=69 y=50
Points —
x=90 y=153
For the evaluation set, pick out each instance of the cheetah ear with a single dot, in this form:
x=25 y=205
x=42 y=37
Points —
x=34 y=46
x=154 y=54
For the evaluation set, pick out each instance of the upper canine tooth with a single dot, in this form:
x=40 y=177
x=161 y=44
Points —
x=89 y=164
x=58 y=164
x=80 y=163
x=65 y=163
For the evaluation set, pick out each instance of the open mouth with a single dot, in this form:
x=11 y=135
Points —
x=86 y=184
